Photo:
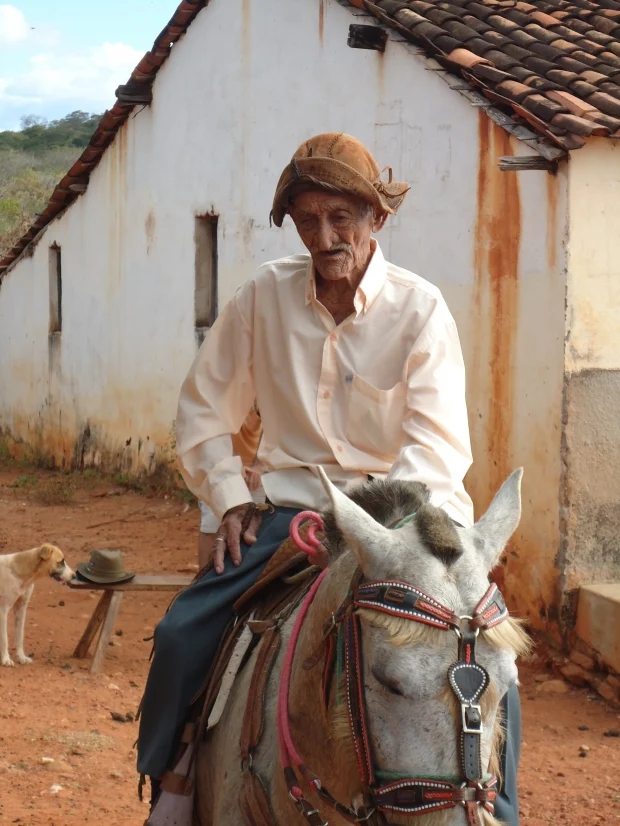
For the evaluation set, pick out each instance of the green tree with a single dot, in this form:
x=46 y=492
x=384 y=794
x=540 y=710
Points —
x=32 y=161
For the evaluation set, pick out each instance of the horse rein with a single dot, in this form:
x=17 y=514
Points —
x=467 y=679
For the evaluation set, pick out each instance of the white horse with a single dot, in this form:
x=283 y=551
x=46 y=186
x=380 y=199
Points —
x=413 y=719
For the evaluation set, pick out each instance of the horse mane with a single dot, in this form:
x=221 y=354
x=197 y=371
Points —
x=390 y=500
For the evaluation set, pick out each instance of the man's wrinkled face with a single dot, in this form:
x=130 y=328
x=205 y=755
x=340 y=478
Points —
x=336 y=230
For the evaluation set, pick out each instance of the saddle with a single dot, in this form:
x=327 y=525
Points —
x=258 y=615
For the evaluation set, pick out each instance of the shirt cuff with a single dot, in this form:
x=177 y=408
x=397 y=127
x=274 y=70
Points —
x=229 y=494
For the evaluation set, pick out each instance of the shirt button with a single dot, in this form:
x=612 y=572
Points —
x=327 y=394
x=339 y=448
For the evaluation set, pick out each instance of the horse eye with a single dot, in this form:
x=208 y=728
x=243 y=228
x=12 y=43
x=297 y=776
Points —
x=387 y=683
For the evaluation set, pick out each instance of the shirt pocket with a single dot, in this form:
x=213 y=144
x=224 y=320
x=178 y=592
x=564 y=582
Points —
x=375 y=418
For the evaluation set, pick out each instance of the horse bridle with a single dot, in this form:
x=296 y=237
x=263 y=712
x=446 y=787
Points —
x=467 y=678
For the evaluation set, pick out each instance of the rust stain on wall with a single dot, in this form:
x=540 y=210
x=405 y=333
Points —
x=149 y=229
x=321 y=20
x=496 y=290
x=552 y=219
x=116 y=202
x=500 y=441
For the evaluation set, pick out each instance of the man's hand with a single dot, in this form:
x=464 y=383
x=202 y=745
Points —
x=234 y=527
x=252 y=476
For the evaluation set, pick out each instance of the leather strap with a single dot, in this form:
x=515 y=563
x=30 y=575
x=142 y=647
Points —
x=356 y=704
x=254 y=802
x=420 y=795
x=490 y=611
x=176 y=783
x=469 y=681
x=189 y=733
x=402 y=600
x=253 y=718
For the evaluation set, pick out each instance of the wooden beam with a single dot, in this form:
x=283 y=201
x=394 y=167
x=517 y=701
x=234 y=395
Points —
x=94 y=624
x=524 y=164
x=132 y=95
x=367 y=37
x=141 y=582
x=106 y=632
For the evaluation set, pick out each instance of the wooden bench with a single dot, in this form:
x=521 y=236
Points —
x=106 y=610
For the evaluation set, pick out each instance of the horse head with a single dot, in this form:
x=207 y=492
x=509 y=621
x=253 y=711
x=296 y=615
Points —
x=419 y=580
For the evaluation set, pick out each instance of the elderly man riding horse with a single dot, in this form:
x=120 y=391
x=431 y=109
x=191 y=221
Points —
x=356 y=367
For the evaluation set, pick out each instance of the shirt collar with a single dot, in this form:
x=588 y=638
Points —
x=370 y=285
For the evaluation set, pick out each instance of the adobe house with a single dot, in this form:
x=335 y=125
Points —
x=504 y=116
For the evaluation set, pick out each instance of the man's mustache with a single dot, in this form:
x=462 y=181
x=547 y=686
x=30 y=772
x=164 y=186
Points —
x=338 y=248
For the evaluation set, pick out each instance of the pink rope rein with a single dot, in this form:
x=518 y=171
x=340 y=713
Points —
x=288 y=753
x=313 y=544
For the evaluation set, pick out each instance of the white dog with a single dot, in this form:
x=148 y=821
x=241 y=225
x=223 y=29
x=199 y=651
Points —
x=18 y=573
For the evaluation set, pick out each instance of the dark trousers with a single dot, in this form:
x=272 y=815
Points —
x=186 y=640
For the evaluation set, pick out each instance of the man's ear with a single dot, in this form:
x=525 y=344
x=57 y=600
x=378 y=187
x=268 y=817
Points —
x=379 y=221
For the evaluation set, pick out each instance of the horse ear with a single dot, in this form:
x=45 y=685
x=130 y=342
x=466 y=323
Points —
x=365 y=537
x=492 y=532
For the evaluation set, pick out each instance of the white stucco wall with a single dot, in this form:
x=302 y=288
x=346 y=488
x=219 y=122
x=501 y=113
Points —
x=249 y=81
x=591 y=547
x=594 y=286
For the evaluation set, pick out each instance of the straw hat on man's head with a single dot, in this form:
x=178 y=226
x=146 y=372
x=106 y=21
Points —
x=339 y=163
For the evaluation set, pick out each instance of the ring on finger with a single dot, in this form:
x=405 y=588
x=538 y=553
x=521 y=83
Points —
x=220 y=539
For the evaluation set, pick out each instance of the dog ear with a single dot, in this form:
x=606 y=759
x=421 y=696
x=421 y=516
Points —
x=45 y=551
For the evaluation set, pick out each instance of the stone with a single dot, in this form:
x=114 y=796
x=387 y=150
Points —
x=47 y=760
x=116 y=775
x=553 y=687
x=614 y=682
x=584 y=728
x=612 y=732
x=574 y=674
x=542 y=678
x=55 y=788
x=582 y=660
x=584 y=751
x=606 y=691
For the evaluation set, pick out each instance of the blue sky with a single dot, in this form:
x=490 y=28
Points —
x=60 y=55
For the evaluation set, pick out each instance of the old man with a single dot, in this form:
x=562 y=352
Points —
x=355 y=365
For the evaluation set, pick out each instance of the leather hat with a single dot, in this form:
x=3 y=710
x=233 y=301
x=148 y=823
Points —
x=104 y=567
x=338 y=162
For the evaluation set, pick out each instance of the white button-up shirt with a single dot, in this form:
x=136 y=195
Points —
x=381 y=394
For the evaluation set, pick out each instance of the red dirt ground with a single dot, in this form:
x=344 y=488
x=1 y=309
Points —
x=54 y=709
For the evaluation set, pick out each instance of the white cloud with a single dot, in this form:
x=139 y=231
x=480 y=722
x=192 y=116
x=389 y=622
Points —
x=90 y=76
x=14 y=27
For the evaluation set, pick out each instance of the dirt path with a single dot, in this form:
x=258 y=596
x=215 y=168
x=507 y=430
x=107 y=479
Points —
x=55 y=711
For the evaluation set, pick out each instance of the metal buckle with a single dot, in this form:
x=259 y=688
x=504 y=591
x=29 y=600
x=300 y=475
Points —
x=458 y=632
x=366 y=816
x=467 y=729
x=470 y=793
